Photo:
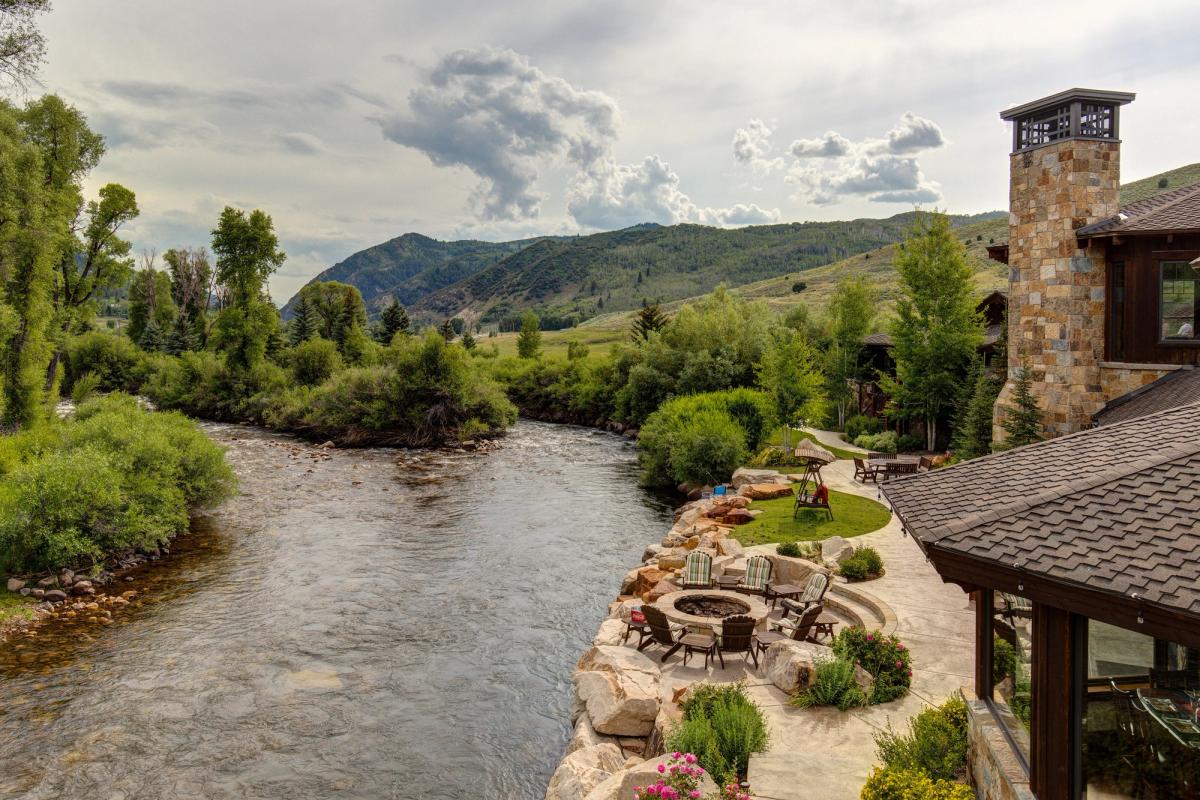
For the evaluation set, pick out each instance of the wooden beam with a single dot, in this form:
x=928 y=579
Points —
x=1052 y=734
x=983 y=643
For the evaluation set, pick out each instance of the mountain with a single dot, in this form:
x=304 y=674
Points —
x=573 y=279
x=411 y=266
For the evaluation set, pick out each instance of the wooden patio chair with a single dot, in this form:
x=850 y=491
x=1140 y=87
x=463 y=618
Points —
x=673 y=636
x=737 y=636
x=925 y=464
x=798 y=630
x=877 y=456
x=697 y=571
x=813 y=595
x=900 y=468
x=757 y=577
x=864 y=472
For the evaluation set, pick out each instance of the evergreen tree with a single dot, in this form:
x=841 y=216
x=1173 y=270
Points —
x=304 y=324
x=151 y=339
x=182 y=337
x=973 y=423
x=394 y=320
x=1023 y=422
x=529 y=340
x=447 y=331
x=468 y=341
x=648 y=320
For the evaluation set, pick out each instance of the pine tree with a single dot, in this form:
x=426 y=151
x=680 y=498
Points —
x=393 y=320
x=151 y=340
x=648 y=320
x=182 y=337
x=468 y=341
x=973 y=421
x=1023 y=422
x=447 y=331
x=529 y=340
x=304 y=324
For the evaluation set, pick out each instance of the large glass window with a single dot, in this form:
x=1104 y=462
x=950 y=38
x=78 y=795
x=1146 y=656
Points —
x=1012 y=655
x=1140 y=723
x=1180 y=302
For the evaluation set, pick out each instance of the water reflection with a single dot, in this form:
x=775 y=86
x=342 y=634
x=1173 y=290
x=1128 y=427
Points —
x=356 y=624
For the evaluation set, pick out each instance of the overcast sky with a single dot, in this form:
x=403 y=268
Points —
x=503 y=120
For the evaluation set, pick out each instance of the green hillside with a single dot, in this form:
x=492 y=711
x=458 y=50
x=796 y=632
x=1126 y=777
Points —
x=1148 y=187
x=586 y=276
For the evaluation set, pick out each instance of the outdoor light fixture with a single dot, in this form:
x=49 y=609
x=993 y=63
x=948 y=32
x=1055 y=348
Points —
x=1020 y=576
x=1134 y=596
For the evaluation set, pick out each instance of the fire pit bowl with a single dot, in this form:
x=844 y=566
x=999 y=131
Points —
x=703 y=609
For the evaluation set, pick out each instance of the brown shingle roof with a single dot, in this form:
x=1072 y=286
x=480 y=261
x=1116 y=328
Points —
x=1115 y=508
x=1170 y=391
x=1174 y=210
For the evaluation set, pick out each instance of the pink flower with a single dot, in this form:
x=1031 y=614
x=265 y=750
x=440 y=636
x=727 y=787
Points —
x=899 y=664
x=694 y=793
x=910 y=673
x=899 y=647
x=662 y=767
x=689 y=758
x=677 y=755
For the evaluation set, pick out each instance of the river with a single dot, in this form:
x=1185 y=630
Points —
x=356 y=624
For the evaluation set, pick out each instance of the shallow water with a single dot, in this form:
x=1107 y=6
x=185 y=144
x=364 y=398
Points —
x=357 y=624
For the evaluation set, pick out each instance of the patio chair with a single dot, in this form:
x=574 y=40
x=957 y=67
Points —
x=813 y=594
x=864 y=472
x=798 y=630
x=757 y=577
x=697 y=571
x=925 y=464
x=673 y=636
x=877 y=456
x=737 y=636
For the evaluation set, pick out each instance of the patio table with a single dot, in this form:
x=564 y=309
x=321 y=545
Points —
x=786 y=590
x=900 y=465
x=1175 y=710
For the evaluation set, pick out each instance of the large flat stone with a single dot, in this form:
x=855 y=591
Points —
x=621 y=689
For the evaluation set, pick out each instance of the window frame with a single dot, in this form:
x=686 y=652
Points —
x=1172 y=342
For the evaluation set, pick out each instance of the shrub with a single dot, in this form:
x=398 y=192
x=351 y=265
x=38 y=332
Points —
x=113 y=358
x=706 y=449
x=866 y=563
x=888 y=661
x=833 y=685
x=85 y=386
x=1004 y=660
x=859 y=424
x=935 y=745
x=723 y=727
x=908 y=443
x=884 y=442
x=313 y=361
x=892 y=784
x=789 y=549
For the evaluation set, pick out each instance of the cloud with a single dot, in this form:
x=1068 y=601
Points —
x=492 y=112
x=612 y=195
x=300 y=143
x=883 y=170
x=124 y=131
x=752 y=148
x=831 y=145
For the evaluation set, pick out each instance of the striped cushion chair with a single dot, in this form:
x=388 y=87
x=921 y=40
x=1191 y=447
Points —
x=758 y=575
x=813 y=594
x=697 y=571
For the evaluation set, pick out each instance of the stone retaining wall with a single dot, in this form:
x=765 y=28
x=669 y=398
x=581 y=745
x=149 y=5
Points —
x=995 y=771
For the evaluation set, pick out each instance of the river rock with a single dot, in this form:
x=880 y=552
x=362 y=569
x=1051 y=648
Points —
x=765 y=491
x=80 y=588
x=583 y=770
x=15 y=584
x=37 y=594
x=738 y=516
x=611 y=632
x=791 y=666
x=620 y=785
x=620 y=687
x=54 y=596
x=663 y=587
x=47 y=582
x=745 y=476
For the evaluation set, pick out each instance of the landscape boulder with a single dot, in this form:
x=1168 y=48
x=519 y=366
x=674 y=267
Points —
x=786 y=569
x=738 y=516
x=620 y=688
x=15 y=584
x=663 y=587
x=585 y=736
x=620 y=785
x=745 y=476
x=835 y=550
x=765 y=491
x=792 y=666
x=583 y=770
x=611 y=632
x=671 y=561
x=731 y=547
x=54 y=596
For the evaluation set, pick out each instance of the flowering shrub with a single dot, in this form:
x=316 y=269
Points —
x=885 y=657
x=897 y=784
x=681 y=776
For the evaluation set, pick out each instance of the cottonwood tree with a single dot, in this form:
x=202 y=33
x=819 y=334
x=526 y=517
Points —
x=789 y=373
x=851 y=312
x=247 y=252
x=192 y=288
x=529 y=340
x=22 y=45
x=150 y=302
x=936 y=330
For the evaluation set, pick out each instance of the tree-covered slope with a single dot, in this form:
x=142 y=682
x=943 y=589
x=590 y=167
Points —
x=585 y=276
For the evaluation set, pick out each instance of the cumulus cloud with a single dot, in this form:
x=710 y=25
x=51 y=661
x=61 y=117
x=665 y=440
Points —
x=831 y=145
x=491 y=111
x=752 y=148
x=883 y=170
x=612 y=195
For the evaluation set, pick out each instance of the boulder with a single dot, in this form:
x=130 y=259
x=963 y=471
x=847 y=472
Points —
x=583 y=770
x=765 y=491
x=621 y=688
x=791 y=666
x=671 y=561
x=864 y=679
x=651 y=552
x=54 y=596
x=82 y=588
x=786 y=569
x=745 y=476
x=663 y=587
x=647 y=579
x=629 y=582
x=620 y=785
x=37 y=594
x=47 y=582
x=731 y=547
x=585 y=736
x=737 y=501
x=15 y=584
x=835 y=550
x=738 y=516
x=611 y=632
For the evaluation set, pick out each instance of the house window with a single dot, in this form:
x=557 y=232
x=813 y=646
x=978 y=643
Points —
x=1045 y=126
x=1139 y=733
x=1180 y=299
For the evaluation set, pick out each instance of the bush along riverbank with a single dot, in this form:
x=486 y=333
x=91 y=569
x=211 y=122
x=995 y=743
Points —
x=103 y=490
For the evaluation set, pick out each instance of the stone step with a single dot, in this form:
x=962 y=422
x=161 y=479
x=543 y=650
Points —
x=821 y=772
x=858 y=607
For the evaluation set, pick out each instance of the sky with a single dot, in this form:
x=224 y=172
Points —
x=355 y=122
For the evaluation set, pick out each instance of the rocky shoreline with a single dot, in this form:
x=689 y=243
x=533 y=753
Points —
x=623 y=708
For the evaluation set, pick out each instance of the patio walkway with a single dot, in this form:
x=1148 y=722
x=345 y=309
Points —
x=822 y=752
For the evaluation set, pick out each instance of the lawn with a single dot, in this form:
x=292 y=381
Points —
x=777 y=438
x=554 y=343
x=852 y=516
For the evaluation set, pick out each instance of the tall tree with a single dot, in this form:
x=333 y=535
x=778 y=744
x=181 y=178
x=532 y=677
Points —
x=338 y=307
x=851 y=312
x=191 y=287
x=973 y=422
x=447 y=331
x=393 y=320
x=529 y=340
x=790 y=374
x=937 y=329
x=305 y=324
x=150 y=301
x=22 y=45
x=648 y=320
x=247 y=252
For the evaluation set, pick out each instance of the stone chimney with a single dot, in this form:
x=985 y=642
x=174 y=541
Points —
x=1064 y=173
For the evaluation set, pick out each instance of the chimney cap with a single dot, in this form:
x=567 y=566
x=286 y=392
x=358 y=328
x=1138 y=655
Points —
x=1069 y=96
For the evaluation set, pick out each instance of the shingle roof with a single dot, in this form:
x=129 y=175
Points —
x=1174 y=210
x=878 y=339
x=1115 y=508
x=1170 y=391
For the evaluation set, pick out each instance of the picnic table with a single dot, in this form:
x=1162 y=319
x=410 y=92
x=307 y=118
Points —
x=897 y=465
x=1175 y=710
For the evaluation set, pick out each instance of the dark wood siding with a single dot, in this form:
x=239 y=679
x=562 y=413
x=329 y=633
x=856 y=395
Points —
x=1140 y=340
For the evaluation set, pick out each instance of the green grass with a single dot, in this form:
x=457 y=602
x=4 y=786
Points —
x=777 y=438
x=852 y=516
x=14 y=607
x=554 y=343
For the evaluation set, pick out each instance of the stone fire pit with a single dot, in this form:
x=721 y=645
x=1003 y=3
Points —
x=704 y=608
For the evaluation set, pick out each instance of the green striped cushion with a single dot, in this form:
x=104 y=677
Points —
x=758 y=572
x=697 y=568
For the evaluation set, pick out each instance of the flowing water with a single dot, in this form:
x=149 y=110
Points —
x=357 y=624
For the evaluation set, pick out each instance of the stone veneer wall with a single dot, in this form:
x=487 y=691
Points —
x=995 y=772
x=1056 y=289
x=1118 y=379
